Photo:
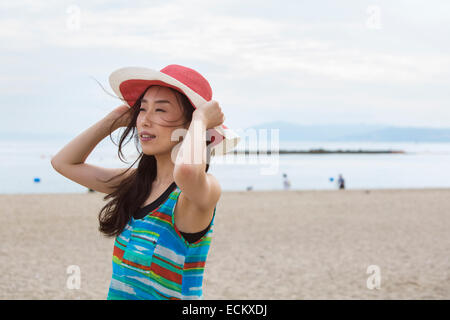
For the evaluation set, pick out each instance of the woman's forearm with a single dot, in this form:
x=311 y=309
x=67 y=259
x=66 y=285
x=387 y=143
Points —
x=77 y=150
x=190 y=168
x=192 y=152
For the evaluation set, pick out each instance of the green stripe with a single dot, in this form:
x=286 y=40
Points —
x=146 y=232
x=193 y=271
x=116 y=260
x=205 y=242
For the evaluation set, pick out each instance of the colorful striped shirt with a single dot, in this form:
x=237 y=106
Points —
x=152 y=260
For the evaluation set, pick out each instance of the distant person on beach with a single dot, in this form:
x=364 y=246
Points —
x=341 y=182
x=286 y=182
x=161 y=213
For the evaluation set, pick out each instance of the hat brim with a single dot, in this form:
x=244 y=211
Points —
x=130 y=82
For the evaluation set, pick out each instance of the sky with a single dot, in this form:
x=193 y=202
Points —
x=306 y=62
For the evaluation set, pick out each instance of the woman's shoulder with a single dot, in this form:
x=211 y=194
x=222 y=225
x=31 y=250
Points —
x=215 y=185
x=213 y=193
x=213 y=178
x=189 y=218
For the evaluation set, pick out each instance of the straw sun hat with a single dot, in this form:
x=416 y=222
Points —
x=130 y=82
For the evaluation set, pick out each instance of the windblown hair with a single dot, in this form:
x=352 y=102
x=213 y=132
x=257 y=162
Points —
x=132 y=192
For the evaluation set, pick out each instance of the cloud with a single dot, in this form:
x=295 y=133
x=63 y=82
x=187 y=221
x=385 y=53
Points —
x=251 y=45
x=255 y=53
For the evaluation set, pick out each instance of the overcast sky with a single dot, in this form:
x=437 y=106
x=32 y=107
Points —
x=308 y=62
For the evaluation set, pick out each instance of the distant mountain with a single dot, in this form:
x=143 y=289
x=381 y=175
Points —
x=296 y=132
x=355 y=132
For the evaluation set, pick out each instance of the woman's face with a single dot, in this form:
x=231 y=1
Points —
x=160 y=114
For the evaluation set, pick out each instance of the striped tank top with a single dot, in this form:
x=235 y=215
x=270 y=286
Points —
x=152 y=260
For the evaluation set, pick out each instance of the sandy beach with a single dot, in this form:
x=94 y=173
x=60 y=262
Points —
x=266 y=245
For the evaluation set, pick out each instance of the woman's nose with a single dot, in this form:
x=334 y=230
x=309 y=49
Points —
x=148 y=118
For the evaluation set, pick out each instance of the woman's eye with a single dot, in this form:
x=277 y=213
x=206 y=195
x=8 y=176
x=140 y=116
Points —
x=156 y=110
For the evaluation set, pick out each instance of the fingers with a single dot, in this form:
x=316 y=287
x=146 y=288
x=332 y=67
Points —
x=221 y=114
x=215 y=112
x=218 y=108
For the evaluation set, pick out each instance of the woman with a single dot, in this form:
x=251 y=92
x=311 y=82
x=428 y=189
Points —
x=161 y=213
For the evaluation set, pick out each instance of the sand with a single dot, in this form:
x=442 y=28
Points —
x=266 y=245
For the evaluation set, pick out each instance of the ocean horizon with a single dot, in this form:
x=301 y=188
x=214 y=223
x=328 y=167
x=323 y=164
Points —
x=26 y=168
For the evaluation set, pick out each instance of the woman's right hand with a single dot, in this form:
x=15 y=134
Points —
x=122 y=116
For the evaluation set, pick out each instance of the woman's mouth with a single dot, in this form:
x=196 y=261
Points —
x=145 y=137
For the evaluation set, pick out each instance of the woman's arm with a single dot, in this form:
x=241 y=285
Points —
x=77 y=150
x=69 y=162
x=201 y=189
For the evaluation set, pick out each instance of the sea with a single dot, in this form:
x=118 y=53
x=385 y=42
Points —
x=25 y=166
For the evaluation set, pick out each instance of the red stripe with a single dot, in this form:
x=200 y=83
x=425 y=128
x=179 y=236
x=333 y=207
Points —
x=161 y=295
x=166 y=274
x=123 y=245
x=198 y=264
x=162 y=216
x=118 y=252
x=137 y=265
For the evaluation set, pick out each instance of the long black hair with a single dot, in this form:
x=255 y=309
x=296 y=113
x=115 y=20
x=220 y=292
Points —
x=133 y=191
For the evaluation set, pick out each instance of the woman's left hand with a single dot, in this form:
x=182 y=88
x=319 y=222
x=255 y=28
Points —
x=211 y=113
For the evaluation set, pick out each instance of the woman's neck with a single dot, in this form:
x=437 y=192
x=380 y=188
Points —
x=164 y=170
